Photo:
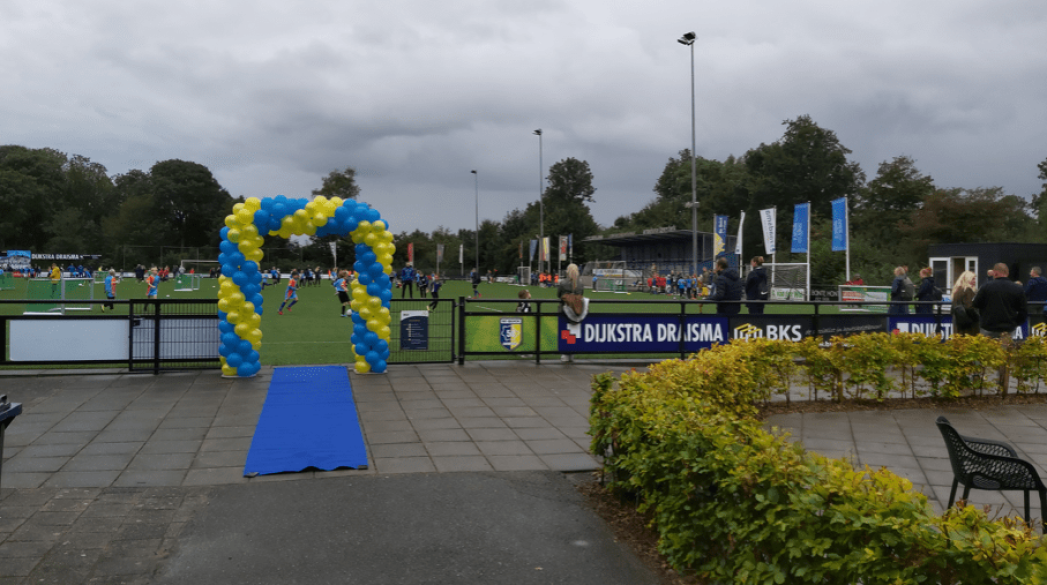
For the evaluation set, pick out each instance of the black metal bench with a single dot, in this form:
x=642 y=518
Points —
x=989 y=465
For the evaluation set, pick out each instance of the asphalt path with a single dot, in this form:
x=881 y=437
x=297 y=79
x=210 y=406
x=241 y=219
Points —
x=491 y=528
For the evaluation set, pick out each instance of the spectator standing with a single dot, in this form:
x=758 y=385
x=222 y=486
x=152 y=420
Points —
x=755 y=284
x=573 y=303
x=926 y=292
x=728 y=287
x=965 y=319
x=1036 y=288
x=1001 y=303
x=898 y=293
x=407 y=277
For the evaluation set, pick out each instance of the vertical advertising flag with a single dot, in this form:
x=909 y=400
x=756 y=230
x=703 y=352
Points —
x=738 y=243
x=563 y=247
x=410 y=252
x=439 y=254
x=801 y=219
x=570 y=244
x=461 y=253
x=767 y=218
x=545 y=249
x=840 y=224
x=720 y=235
x=534 y=248
x=521 y=250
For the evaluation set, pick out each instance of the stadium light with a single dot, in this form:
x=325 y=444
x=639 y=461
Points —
x=541 y=208
x=476 y=176
x=688 y=39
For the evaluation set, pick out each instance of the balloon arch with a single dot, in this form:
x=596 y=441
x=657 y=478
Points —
x=240 y=284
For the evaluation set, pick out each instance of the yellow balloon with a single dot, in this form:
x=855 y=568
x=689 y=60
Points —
x=371 y=240
x=301 y=215
x=374 y=325
x=354 y=305
x=226 y=287
x=249 y=231
x=231 y=221
x=254 y=321
x=310 y=229
x=238 y=207
x=247 y=308
x=228 y=371
x=245 y=216
x=243 y=329
x=253 y=203
x=383 y=314
x=385 y=259
x=221 y=359
x=233 y=317
x=375 y=303
x=311 y=207
x=256 y=255
x=255 y=336
x=233 y=235
x=364 y=227
x=384 y=333
x=320 y=200
x=387 y=236
x=285 y=232
x=236 y=298
x=361 y=367
x=319 y=219
x=365 y=313
x=224 y=306
x=359 y=291
x=256 y=345
x=337 y=201
x=379 y=226
x=246 y=247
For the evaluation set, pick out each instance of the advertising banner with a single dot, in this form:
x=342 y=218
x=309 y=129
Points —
x=844 y=325
x=720 y=235
x=738 y=243
x=865 y=294
x=767 y=218
x=410 y=252
x=775 y=327
x=563 y=247
x=640 y=333
x=545 y=249
x=840 y=224
x=461 y=253
x=534 y=248
x=439 y=254
x=801 y=218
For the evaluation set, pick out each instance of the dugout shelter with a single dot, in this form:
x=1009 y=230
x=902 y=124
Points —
x=949 y=260
x=669 y=250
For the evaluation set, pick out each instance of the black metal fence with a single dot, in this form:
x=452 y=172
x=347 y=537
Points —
x=143 y=335
x=423 y=334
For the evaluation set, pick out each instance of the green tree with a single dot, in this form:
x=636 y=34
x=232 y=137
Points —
x=570 y=189
x=190 y=204
x=966 y=215
x=889 y=200
x=339 y=184
x=31 y=187
x=1039 y=203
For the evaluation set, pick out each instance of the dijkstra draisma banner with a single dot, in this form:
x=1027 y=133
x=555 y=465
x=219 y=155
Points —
x=641 y=334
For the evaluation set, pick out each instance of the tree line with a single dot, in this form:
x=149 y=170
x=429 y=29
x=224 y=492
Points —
x=53 y=202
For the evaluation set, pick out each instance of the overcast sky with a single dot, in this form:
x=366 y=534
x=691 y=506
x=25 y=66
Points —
x=272 y=96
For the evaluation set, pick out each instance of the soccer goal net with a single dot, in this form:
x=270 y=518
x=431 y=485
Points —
x=523 y=274
x=43 y=296
x=187 y=282
x=198 y=267
x=609 y=276
x=788 y=281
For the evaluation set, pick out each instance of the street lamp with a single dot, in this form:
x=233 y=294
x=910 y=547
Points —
x=688 y=39
x=541 y=208
x=476 y=176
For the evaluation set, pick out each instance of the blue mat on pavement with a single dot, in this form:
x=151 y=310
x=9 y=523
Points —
x=308 y=421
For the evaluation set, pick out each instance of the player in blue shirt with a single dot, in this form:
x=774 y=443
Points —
x=341 y=287
x=292 y=293
x=434 y=287
x=407 y=276
x=110 y=289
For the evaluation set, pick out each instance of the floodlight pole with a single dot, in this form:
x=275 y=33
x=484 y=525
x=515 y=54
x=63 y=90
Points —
x=476 y=176
x=541 y=208
x=688 y=39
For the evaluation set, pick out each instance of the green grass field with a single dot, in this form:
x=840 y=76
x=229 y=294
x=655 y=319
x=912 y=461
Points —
x=315 y=333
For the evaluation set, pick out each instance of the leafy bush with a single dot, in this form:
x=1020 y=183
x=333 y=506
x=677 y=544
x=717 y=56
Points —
x=738 y=504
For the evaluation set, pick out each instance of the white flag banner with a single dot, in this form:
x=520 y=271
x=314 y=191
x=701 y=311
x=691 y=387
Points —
x=461 y=253
x=738 y=244
x=767 y=217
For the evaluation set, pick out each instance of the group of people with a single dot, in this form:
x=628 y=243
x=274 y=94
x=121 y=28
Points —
x=408 y=277
x=997 y=308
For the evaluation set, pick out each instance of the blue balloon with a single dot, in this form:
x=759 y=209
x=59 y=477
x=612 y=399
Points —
x=368 y=258
x=386 y=295
x=257 y=300
x=279 y=211
x=227 y=246
x=383 y=280
x=239 y=278
x=351 y=223
x=224 y=233
x=360 y=329
x=361 y=349
x=249 y=290
x=245 y=347
x=358 y=320
x=364 y=278
x=359 y=267
x=261 y=217
x=370 y=338
x=341 y=214
x=359 y=207
x=381 y=346
x=230 y=339
x=373 y=215
x=379 y=366
x=354 y=339
x=252 y=357
x=250 y=267
x=280 y=199
x=234 y=359
x=362 y=249
x=224 y=350
x=386 y=303
x=372 y=357
x=385 y=353
x=373 y=289
x=225 y=326
x=301 y=202
x=236 y=258
x=267 y=203
x=223 y=258
x=245 y=370
x=221 y=315
x=375 y=269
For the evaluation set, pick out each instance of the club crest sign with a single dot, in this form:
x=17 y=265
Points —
x=510 y=332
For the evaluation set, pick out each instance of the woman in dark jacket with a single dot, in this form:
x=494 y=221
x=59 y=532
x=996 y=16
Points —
x=753 y=283
x=898 y=293
x=965 y=319
x=728 y=288
x=926 y=292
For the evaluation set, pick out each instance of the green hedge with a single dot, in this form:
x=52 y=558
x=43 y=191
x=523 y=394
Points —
x=740 y=505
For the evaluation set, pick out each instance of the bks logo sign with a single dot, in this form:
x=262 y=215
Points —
x=770 y=331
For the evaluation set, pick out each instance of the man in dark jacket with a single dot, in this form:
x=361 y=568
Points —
x=1036 y=288
x=926 y=292
x=1001 y=303
x=728 y=288
x=754 y=284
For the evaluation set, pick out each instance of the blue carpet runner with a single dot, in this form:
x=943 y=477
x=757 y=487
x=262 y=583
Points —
x=308 y=421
